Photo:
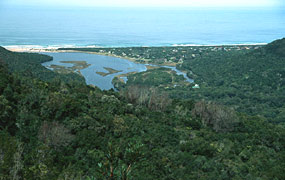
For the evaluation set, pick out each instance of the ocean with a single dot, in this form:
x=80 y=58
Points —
x=124 y=27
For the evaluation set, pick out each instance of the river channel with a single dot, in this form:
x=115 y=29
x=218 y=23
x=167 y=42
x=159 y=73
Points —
x=98 y=71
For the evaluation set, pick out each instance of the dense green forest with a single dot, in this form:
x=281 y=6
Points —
x=253 y=82
x=250 y=79
x=57 y=128
x=29 y=64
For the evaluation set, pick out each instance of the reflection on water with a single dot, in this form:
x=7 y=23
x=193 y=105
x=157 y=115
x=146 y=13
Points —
x=180 y=73
x=98 y=63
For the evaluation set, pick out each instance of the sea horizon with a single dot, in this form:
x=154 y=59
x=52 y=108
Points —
x=138 y=27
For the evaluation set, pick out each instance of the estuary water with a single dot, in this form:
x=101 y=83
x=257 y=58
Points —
x=121 y=27
x=97 y=64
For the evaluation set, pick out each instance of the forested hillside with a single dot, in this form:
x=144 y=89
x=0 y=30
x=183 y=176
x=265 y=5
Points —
x=29 y=64
x=252 y=82
x=68 y=130
x=250 y=79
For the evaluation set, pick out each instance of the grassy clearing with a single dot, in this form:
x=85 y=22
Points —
x=77 y=66
x=110 y=71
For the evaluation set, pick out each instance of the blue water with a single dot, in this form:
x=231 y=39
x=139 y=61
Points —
x=47 y=26
x=97 y=64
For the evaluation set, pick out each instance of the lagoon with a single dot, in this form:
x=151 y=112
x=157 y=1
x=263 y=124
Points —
x=97 y=70
x=98 y=63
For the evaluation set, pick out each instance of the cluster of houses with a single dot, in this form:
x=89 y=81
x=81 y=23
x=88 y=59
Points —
x=173 y=54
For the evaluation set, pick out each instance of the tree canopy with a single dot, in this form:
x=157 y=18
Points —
x=55 y=127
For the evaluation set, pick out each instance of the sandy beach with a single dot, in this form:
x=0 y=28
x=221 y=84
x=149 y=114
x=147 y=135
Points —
x=30 y=48
x=38 y=48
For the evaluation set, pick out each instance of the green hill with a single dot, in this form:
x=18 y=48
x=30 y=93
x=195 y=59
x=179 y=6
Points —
x=252 y=82
x=249 y=79
x=64 y=130
x=29 y=64
x=277 y=48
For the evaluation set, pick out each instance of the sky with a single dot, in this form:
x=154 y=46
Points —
x=150 y=3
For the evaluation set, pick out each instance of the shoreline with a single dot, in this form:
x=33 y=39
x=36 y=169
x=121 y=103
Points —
x=52 y=48
x=218 y=45
x=55 y=49
x=101 y=54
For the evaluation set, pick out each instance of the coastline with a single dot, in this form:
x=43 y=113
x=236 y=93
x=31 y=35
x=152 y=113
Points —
x=138 y=59
x=55 y=49
x=37 y=49
x=218 y=45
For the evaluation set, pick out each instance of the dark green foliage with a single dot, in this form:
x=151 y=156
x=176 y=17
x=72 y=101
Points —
x=277 y=47
x=250 y=79
x=8 y=147
x=251 y=82
x=29 y=64
x=57 y=130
